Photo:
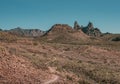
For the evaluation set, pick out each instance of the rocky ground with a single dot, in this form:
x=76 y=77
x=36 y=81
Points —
x=31 y=62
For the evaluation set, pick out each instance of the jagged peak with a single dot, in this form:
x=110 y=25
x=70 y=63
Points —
x=76 y=25
x=19 y=28
x=90 y=25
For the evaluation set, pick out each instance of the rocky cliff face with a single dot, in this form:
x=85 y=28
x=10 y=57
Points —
x=76 y=26
x=90 y=25
x=26 y=32
x=89 y=29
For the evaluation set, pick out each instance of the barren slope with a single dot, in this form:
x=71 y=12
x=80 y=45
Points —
x=64 y=33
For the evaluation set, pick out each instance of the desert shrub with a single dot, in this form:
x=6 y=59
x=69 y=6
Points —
x=101 y=75
x=13 y=51
x=39 y=64
x=116 y=39
x=83 y=82
x=69 y=78
x=35 y=43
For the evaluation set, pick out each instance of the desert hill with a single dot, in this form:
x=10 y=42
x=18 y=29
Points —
x=64 y=33
x=110 y=37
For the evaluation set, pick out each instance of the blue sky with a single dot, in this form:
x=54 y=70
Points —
x=42 y=14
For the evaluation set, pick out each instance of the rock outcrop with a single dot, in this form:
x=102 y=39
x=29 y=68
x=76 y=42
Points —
x=76 y=26
x=91 y=31
x=90 y=25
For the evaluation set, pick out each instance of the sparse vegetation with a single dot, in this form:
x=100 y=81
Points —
x=79 y=63
x=7 y=37
x=89 y=60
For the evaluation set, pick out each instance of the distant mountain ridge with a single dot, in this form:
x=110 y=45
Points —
x=26 y=32
x=63 y=33
x=88 y=30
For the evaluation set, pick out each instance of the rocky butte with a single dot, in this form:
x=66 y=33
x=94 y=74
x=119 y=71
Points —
x=91 y=31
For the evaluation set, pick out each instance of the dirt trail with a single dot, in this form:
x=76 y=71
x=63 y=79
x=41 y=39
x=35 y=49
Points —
x=54 y=77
